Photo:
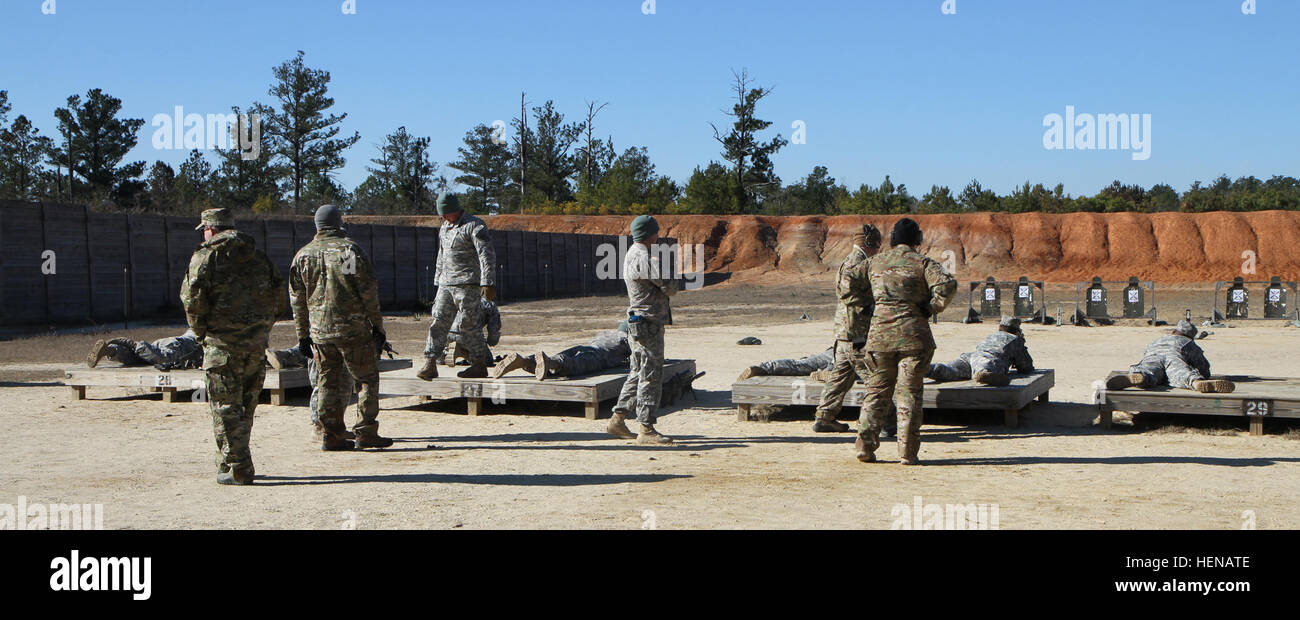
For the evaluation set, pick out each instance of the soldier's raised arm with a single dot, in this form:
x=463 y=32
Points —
x=194 y=294
x=943 y=287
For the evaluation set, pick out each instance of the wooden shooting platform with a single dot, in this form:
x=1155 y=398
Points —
x=790 y=391
x=1256 y=398
x=172 y=383
x=590 y=390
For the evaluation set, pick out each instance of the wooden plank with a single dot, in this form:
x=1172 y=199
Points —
x=793 y=391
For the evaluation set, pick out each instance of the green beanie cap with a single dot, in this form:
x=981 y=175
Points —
x=448 y=203
x=643 y=227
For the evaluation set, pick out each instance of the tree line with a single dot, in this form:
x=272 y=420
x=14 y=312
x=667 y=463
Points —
x=540 y=163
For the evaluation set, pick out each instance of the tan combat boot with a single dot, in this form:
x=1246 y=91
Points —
x=866 y=453
x=651 y=437
x=1214 y=386
x=235 y=477
x=542 y=365
x=995 y=379
x=368 y=437
x=752 y=371
x=429 y=371
x=825 y=424
x=618 y=427
x=1119 y=382
x=275 y=358
x=511 y=363
x=97 y=352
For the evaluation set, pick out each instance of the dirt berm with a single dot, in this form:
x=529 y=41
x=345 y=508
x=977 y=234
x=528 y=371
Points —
x=1167 y=247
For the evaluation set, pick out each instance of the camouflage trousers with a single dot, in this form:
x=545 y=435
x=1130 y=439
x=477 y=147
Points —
x=453 y=302
x=898 y=376
x=645 y=376
x=968 y=365
x=342 y=397
x=335 y=361
x=585 y=360
x=799 y=367
x=234 y=383
x=844 y=373
x=125 y=355
x=1170 y=369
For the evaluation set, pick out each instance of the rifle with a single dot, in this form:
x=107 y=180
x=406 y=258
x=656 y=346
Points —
x=680 y=385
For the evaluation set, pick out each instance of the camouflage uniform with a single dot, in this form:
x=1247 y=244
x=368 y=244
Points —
x=1174 y=360
x=335 y=299
x=293 y=358
x=648 y=294
x=997 y=354
x=908 y=288
x=232 y=295
x=180 y=352
x=800 y=367
x=607 y=350
x=467 y=261
x=490 y=319
x=852 y=319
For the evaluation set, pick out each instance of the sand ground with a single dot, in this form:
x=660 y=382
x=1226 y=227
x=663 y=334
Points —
x=150 y=463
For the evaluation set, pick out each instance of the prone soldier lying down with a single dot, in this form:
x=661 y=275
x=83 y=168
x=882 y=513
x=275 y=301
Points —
x=1174 y=360
x=992 y=361
x=180 y=352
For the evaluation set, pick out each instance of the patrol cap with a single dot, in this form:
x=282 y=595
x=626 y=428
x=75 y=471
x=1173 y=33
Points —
x=219 y=218
x=1186 y=328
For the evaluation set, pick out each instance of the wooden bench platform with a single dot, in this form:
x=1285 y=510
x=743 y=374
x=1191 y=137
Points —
x=788 y=391
x=172 y=383
x=590 y=390
x=1256 y=398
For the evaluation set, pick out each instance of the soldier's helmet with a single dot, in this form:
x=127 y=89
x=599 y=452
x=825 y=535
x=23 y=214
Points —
x=1012 y=324
x=1185 y=328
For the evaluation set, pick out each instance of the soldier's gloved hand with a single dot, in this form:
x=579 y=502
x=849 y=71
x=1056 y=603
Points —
x=490 y=293
x=304 y=347
x=379 y=336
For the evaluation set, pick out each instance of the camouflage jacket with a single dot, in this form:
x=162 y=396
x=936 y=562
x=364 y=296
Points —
x=904 y=282
x=232 y=293
x=1173 y=346
x=1009 y=347
x=491 y=321
x=648 y=288
x=184 y=351
x=856 y=305
x=613 y=341
x=333 y=289
x=465 y=253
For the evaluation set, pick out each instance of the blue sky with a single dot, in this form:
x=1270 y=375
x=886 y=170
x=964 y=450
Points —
x=884 y=86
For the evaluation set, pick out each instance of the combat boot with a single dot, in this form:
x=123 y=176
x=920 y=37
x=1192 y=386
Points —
x=331 y=442
x=829 y=425
x=752 y=371
x=865 y=453
x=651 y=437
x=369 y=438
x=235 y=477
x=1214 y=386
x=618 y=427
x=429 y=371
x=97 y=352
x=477 y=370
x=1119 y=382
x=276 y=359
x=542 y=365
x=511 y=363
x=995 y=379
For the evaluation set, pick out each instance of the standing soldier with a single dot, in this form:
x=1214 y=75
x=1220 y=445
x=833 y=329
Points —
x=335 y=298
x=466 y=273
x=232 y=294
x=909 y=288
x=648 y=313
x=852 y=318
